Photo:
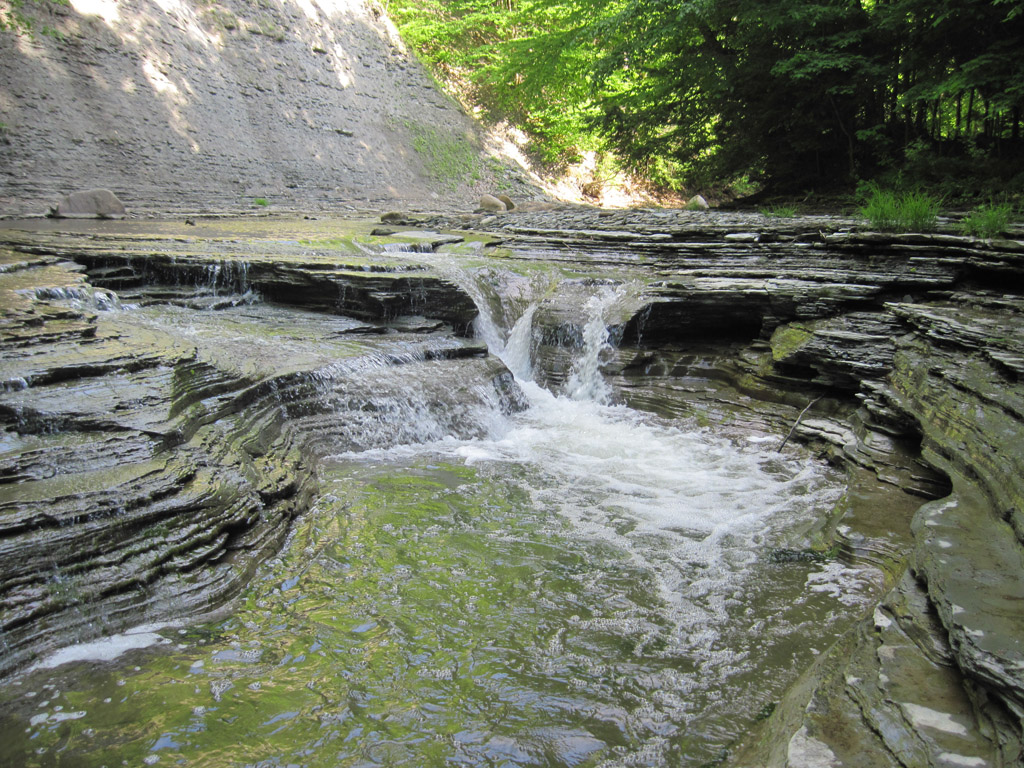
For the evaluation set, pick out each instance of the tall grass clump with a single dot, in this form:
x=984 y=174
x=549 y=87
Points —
x=987 y=221
x=779 y=211
x=891 y=211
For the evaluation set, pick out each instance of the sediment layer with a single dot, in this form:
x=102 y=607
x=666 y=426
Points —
x=153 y=453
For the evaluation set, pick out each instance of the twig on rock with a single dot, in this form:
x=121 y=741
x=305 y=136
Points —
x=797 y=423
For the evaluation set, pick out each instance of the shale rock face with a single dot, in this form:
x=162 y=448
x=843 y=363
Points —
x=909 y=351
x=150 y=457
x=194 y=106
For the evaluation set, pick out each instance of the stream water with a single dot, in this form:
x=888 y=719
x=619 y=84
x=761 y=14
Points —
x=578 y=584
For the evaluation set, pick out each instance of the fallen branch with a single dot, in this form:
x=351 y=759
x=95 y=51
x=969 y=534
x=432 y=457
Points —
x=797 y=423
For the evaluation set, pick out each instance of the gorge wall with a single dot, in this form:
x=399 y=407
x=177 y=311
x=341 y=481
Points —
x=192 y=106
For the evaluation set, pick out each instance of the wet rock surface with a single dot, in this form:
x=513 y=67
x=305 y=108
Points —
x=896 y=356
x=157 y=440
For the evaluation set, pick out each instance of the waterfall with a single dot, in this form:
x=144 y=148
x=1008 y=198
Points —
x=586 y=382
x=516 y=352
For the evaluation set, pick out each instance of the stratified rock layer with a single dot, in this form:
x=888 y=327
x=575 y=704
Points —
x=194 y=106
x=152 y=454
x=898 y=356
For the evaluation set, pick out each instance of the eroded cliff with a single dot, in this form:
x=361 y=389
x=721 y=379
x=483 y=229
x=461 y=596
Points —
x=187 y=106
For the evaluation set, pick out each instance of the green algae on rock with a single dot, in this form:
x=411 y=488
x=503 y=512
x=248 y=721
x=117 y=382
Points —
x=153 y=455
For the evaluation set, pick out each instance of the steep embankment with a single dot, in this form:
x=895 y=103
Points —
x=190 y=106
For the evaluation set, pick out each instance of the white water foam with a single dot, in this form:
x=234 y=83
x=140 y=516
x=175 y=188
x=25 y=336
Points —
x=692 y=509
x=692 y=515
x=106 y=648
x=586 y=382
x=517 y=352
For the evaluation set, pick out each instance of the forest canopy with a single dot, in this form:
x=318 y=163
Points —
x=793 y=94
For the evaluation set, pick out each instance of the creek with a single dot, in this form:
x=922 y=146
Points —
x=566 y=582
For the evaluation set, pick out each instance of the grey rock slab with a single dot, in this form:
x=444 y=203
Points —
x=89 y=204
x=974 y=569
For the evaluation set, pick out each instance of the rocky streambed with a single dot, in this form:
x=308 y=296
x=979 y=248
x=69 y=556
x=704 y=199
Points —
x=172 y=396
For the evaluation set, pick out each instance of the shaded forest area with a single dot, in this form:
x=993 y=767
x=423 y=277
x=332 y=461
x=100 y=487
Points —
x=786 y=96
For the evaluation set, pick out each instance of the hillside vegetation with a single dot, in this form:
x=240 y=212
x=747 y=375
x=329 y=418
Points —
x=786 y=96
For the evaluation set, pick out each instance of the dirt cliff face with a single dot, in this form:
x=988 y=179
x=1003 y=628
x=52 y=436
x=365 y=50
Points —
x=186 y=106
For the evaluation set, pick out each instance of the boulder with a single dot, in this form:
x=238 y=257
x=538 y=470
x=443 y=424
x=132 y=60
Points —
x=89 y=203
x=509 y=205
x=398 y=218
x=697 y=203
x=490 y=203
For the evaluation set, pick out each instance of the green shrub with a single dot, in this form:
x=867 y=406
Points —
x=989 y=220
x=891 y=211
x=779 y=211
x=260 y=201
x=918 y=211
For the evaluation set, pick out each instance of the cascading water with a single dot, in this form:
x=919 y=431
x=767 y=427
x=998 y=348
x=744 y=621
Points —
x=586 y=382
x=516 y=352
x=578 y=584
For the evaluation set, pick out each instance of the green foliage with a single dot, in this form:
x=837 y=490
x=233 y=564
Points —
x=779 y=211
x=13 y=17
x=765 y=712
x=917 y=211
x=518 y=61
x=990 y=220
x=880 y=209
x=261 y=201
x=890 y=211
x=793 y=94
x=221 y=18
x=264 y=26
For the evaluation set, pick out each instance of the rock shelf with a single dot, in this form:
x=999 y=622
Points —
x=921 y=333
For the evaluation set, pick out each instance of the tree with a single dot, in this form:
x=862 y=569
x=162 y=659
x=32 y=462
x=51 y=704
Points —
x=796 y=93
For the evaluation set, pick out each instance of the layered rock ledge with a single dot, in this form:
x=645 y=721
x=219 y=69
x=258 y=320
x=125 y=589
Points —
x=148 y=467
x=154 y=450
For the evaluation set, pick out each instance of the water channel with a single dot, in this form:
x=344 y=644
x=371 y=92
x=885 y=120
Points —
x=573 y=583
